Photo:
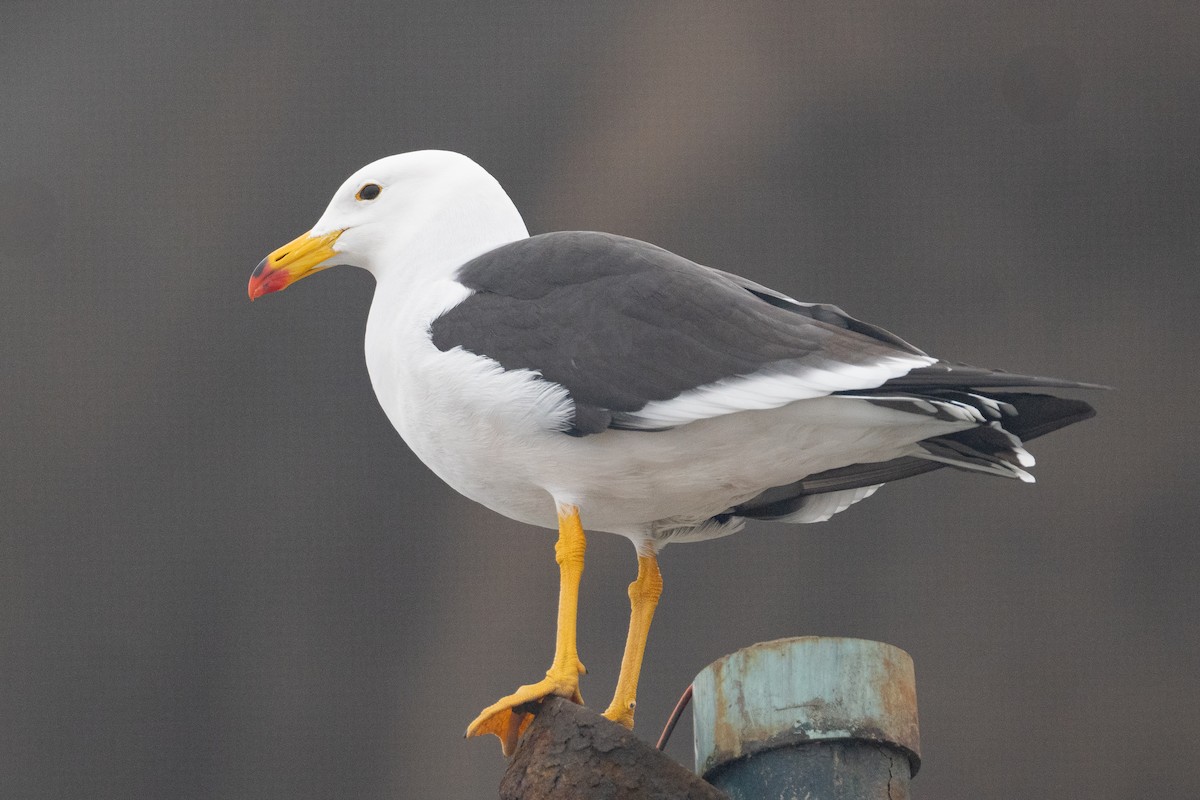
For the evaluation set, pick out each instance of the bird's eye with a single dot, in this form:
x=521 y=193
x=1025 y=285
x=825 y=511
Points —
x=369 y=191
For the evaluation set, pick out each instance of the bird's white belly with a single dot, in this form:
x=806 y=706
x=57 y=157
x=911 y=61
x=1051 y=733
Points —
x=496 y=437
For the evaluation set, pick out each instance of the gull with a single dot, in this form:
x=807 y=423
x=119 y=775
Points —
x=578 y=377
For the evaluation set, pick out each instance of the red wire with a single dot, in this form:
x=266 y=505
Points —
x=674 y=718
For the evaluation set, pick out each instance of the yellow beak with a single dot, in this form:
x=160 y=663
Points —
x=299 y=258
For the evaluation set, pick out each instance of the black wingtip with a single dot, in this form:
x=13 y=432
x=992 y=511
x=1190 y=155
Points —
x=949 y=374
x=1039 y=414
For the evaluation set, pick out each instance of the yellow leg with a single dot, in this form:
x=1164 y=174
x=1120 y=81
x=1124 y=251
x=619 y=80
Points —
x=508 y=717
x=643 y=599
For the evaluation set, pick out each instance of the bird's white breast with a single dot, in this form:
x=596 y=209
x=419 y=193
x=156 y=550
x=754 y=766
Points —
x=480 y=428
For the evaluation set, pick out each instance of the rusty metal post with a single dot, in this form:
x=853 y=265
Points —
x=810 y=717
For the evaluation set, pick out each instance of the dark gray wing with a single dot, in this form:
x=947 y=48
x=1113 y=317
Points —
x=824 y=312
x=642 y=338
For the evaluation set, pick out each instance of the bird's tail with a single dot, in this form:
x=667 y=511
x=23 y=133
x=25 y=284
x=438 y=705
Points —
x=994 y=447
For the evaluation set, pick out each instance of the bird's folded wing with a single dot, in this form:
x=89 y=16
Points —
x=644 y=339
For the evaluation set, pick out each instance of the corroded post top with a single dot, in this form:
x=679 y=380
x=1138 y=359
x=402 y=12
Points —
x=805 y=689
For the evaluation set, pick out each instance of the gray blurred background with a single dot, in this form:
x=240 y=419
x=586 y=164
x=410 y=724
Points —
x=223 y=575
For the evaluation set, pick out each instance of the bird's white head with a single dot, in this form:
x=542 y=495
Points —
x=430 y=209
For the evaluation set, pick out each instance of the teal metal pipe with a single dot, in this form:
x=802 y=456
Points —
x=811 y=717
